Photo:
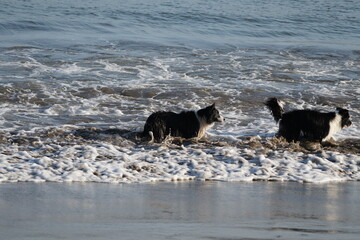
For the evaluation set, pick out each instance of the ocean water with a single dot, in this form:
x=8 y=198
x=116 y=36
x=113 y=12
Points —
x=79 y=78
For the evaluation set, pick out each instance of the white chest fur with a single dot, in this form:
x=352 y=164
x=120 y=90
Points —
x=203 y=126
x=335 y=126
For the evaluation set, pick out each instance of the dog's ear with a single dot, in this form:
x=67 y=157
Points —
x=341 y=110
x=213 y=105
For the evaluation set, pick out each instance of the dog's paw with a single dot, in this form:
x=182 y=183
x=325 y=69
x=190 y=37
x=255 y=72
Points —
x=330 y=143
x=311 y=146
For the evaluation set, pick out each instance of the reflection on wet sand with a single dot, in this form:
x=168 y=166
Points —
x=191 y=210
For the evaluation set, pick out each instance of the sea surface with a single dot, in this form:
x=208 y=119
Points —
x=79 y=78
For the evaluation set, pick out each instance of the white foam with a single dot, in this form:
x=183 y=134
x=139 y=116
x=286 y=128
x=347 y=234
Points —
x=113 y=67
x=108 y=162
x=38 y=68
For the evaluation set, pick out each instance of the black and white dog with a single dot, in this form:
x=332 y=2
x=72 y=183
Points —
x=187 y=124
x=307 y=124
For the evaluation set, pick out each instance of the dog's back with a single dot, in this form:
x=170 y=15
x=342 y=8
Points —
x=307 y=124
x=187 y=124
x=161 y=124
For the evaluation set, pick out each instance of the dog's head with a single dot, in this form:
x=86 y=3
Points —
x=210 y=114
x=345 y=117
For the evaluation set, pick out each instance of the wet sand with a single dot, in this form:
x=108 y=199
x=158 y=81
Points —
x=127 y=138
x=184 y=210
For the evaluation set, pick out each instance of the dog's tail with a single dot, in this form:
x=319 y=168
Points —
x=148 y=135
x=276 y=108
x=152 y=140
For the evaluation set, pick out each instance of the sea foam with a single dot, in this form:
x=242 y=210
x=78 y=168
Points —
x=118 y=156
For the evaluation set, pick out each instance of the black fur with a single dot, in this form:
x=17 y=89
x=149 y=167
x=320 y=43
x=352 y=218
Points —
x=305 y=124
x=185 y=124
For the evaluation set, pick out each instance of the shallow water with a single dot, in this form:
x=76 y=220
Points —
x=108 y=65
x=195 y=210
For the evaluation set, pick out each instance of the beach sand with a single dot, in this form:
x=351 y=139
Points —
x=184 y=210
